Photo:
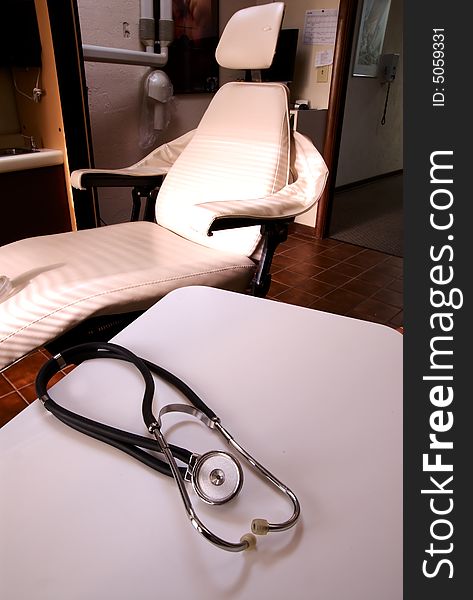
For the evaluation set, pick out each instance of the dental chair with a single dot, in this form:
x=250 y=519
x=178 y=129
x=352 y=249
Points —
x=231 y=188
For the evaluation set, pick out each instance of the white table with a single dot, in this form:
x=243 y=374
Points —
x=314 y=396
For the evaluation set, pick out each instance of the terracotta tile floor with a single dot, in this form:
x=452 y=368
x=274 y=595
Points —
x=322 y=274
x=17 y=389
x=338 y=277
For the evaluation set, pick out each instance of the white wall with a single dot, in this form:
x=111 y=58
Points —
x=368 y=148
x=114 y=95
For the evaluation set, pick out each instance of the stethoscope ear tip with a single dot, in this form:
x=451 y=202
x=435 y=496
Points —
x=250 y=540
x=259 y=526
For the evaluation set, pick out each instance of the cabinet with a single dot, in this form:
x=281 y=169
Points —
x=33 y=202
x=312 y=123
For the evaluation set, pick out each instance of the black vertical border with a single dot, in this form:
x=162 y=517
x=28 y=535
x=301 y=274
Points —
x=428 y=129
x=67 y=43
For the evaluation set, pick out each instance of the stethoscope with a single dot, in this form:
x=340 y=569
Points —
x=216 y=476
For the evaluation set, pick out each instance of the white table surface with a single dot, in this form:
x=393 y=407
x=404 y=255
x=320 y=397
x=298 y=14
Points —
x=317 y=398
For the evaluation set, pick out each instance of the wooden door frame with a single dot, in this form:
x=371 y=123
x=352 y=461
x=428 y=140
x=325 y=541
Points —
x=340 y=73
x=67 y=44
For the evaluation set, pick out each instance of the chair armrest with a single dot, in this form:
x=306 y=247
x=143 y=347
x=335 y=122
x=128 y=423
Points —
x=156 y=163
x=292 y=200
x=83 y=179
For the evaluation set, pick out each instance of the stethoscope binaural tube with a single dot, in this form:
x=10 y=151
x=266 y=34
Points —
x=135 y=445
x=258 y=526
x=262 y=526
x=247 y=541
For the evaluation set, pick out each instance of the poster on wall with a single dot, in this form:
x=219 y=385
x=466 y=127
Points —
x=191 y=66
x=374 y=18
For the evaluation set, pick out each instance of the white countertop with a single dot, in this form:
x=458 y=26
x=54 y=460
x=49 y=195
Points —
x=43 y=157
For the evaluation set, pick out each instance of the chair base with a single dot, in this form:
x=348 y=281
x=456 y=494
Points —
x=95 y=329
x=274 y=233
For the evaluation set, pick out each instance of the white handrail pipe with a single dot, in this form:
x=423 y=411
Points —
x=120 y=56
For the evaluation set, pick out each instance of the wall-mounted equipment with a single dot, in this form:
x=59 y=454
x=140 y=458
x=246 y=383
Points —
x=387 y=72
x=159 y=89
x=147 y=38
x=388 y=67
x=156 y=108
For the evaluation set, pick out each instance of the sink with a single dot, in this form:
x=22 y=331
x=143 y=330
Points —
x=15 y=151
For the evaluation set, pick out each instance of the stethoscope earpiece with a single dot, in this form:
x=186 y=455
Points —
x=260 y=526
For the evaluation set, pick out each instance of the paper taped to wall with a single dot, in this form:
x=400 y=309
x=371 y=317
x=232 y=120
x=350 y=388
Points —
x=320 y=26
x=324 y=58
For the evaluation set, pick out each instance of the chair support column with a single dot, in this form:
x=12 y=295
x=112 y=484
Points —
x=273 y=234
x=147 y=192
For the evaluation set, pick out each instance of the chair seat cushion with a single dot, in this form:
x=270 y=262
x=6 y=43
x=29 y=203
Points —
x=60 y=280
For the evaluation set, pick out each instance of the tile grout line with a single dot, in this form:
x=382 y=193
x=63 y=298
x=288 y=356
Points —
x=339 y=286
x=388 y=260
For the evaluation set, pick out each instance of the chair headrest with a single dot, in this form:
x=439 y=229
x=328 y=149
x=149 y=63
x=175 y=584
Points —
x=250 y=36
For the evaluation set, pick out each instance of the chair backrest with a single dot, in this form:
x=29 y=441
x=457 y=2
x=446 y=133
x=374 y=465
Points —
x=241 y=148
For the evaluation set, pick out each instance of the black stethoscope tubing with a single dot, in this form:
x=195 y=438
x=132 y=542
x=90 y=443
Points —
x=130 y=443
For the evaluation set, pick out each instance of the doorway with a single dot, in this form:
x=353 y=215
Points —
x=363 y=201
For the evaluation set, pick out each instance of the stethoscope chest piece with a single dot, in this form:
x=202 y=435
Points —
x=216 y=476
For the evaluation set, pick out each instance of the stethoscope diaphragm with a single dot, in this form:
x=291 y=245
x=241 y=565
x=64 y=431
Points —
x=216 y=476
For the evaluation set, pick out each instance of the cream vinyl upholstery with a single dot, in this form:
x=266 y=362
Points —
x=249 y=39
x=241 y=161
x=157 y=162
x=58 y=280
x=246 y=157
x=309 y=175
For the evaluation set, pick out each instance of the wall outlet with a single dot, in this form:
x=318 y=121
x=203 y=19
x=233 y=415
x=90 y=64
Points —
x=322 y=74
